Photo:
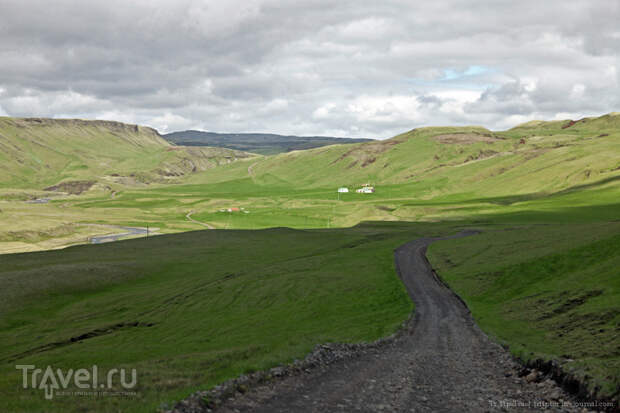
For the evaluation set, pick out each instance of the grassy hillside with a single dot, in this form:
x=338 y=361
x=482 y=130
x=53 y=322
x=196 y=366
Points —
x=428 y=174
x=262 y=143
x=548 y=292
x=606 y=123
x=190 y=310
x=41 y=153
x=469 y=161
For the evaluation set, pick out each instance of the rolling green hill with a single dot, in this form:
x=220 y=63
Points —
x=427 y=174
x=262 y=143
x=71 y=155
x=538 y=157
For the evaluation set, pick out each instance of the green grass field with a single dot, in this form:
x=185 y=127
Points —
x=209 y=305
x=547 y=291
x=541 y=278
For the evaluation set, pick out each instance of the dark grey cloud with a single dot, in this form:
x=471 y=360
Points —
x=349 y=68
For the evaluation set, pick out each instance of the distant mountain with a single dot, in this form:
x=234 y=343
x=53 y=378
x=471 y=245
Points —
x=262 y=143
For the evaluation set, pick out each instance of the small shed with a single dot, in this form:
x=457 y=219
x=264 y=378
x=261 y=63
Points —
x=343 y=190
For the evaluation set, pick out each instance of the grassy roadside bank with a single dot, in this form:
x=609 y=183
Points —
x=547 y=291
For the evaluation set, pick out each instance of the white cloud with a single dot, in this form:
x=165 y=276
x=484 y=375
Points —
x=55 y=104
x=169 y=122
x=383 y=109
x=212 y=19
x=310 y=66
x=577 y=91
x=274 y=106
x=323 y=112
x=369 y=28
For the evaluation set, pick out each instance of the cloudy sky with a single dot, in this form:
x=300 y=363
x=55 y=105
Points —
x=342 y=68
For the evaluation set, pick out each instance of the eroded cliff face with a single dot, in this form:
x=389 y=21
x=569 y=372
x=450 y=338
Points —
x=39 y=153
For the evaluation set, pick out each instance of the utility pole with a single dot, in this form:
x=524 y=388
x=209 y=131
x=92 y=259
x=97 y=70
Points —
x=147 y=230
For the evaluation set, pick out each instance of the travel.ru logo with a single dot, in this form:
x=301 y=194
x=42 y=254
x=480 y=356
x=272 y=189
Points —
x=51 y=380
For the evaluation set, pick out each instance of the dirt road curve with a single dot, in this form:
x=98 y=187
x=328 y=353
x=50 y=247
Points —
x=442 y=363
x=204 y=224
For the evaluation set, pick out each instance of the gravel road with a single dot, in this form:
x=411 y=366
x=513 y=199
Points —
x=129 y=231
x=441 y=362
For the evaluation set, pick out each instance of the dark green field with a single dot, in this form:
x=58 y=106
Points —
x=209 y=305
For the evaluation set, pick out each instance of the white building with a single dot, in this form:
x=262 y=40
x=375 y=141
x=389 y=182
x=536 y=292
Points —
x=343 y=190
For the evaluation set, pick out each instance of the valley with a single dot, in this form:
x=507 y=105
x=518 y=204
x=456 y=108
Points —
x=232 y=280
x=426 y=174
x=309 y=207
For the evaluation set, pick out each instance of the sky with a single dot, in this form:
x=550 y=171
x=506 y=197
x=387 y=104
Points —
x=350 y=68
